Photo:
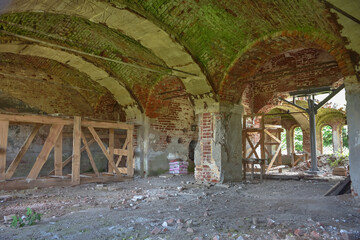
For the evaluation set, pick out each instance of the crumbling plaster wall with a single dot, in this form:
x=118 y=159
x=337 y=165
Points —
x=352 y=87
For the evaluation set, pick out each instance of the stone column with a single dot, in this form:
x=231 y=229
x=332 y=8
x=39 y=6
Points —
x=352 y=88
x=289 y=141
x=218 y=154
x=337 y=141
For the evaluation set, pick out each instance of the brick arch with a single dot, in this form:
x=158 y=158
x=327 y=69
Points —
x=131 y=24
x=251 y=58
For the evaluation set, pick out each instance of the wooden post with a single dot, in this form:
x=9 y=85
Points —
x=11 y=170
x=54 y=133
x=262 y=136
x=130 y=162
x=111 y=148
x=58 y=156
x=75 y=178
x=4 y=130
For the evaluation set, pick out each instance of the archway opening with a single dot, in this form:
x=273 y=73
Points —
x=284 y=142
x=327 y=140
x=298 y=140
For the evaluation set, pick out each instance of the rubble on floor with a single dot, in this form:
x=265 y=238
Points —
x=177 y=207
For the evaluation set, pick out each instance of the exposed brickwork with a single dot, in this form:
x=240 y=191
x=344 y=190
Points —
x=206 y=170
x=249 y=63
x=171 y=113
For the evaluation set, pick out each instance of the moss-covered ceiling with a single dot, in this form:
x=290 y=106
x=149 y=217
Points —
x=126 y=47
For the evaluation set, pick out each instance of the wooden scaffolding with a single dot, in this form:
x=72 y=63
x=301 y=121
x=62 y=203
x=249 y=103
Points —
x=54 y=141
x=257 y=137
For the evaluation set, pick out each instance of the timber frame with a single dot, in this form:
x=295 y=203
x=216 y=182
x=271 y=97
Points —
x=54 y=141
x=260 y=131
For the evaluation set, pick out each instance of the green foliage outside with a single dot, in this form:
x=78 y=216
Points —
x=298 y=140
x=30 y=219
x=327 y=139
x=283 y=142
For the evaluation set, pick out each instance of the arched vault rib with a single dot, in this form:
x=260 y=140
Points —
x=96 y=74
x=131 y=24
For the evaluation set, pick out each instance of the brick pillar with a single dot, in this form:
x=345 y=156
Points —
x=219 y=151
x=352 y=87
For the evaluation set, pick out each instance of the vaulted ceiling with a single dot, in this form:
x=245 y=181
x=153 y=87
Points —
x=100 y=58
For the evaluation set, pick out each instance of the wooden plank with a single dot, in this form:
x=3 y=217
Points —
x=273 y=159
x=75 y=168
x=54 y=133
x=123 y=170
x=92 y=162
x=272 y=136
x=111 y=147
x=114 y=125
x=118 y=151
x=103 y=148
x=267 y=152
x=11 y=170
x=129 y=161
x=41 y=119
x=68 y=160
x=4 y=130
x=56 y=182
x=58 y=156
x=252 y=147
x=272 y=126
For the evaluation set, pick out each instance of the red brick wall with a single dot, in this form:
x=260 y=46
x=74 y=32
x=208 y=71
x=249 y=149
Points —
x=207 y=171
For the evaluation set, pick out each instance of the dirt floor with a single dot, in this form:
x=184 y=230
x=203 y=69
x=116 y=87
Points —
x=175 y=207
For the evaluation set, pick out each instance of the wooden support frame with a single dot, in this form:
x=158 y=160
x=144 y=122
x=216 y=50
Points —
x=54 y=141
x=4 y=130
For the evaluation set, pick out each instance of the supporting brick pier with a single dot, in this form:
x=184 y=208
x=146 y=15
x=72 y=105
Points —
x=218 y=153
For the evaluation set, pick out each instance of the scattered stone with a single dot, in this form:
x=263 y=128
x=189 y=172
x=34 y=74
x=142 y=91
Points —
x=198 y=238
x=298 y=232
x=137 y=198
x=179 y=221
x=315 y=235
x=164 y=224
x=240 y=238
x=217 y=237
x=170 y=222
x=190 y=230
x=165 y=229
x=254 y=220
x=8 y=218
x=270 y=222
x=189 y=222
x=180 y=226
x=180 y=189
x=155 y=231
x=206 y=214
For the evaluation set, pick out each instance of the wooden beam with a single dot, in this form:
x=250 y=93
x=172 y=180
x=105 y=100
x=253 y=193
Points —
x=272 y=136
x=252 y=147
x=273 y=159
x=114 y=125
x=4 y=130
x=11 y=170
x=54 y=133
x=41 y=119
x=92 y=162
x=130 y=160
x=69 y=159
x=75 y=177
x=103 y=148
x=58 y=156
x=121 y=152
x=111 y=148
